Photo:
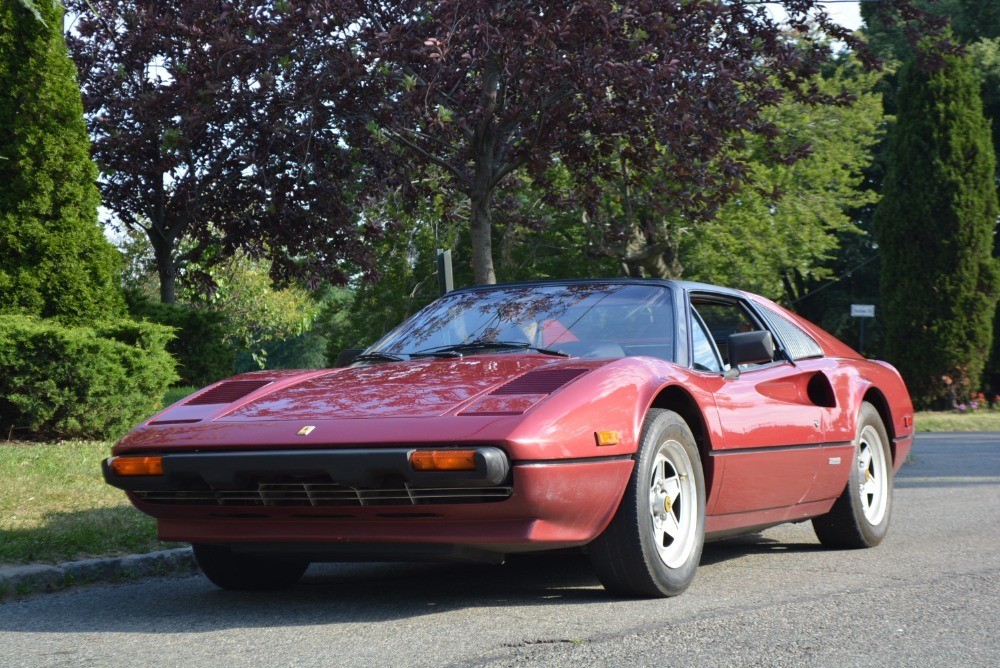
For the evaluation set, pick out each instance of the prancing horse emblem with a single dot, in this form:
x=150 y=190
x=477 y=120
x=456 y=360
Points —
x=305 y=431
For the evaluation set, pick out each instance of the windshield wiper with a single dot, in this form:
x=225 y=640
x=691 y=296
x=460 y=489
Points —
x=435 y=353
x=377 y=357
x=458 y=349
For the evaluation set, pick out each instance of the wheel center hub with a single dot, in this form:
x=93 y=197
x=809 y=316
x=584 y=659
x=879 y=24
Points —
x=661 y=504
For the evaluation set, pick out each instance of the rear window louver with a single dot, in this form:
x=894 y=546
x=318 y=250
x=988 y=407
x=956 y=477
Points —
x=227 y=392
x=539 y=382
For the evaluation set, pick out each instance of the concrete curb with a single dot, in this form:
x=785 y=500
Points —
x=35 y=578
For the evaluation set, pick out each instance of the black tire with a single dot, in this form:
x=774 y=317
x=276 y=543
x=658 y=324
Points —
x=860 y=517
x=246 y=573
x=636 y=555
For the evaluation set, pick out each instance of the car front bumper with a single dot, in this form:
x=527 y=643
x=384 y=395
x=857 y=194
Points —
x=358 y=504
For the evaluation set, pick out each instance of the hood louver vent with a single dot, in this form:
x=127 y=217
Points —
x=539 y=382
x=227 y=392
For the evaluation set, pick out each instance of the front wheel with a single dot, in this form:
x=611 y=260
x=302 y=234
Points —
x=860 y=517
x=242 y=572
x=653 y=544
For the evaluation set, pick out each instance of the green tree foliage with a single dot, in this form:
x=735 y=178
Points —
x=970 y=20
x=541 y=232
x=256 y=313
x=975 y=23
x=935 y=229
x=787 y=227
x=234 y=322
x=986 y=55
x=80 y=382
x=308 y=350
x=858 y=266
x=54 y=259
x=408 y=280
x=781 y=229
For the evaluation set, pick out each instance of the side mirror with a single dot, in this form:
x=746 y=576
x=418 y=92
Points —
x=347 y=355
x=750 y=348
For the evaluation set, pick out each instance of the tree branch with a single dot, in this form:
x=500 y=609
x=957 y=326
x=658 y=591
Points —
x=427 y=155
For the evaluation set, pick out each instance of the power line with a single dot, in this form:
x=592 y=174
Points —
x=846 y=274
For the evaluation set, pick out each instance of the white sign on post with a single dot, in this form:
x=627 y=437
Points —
x=862 y=310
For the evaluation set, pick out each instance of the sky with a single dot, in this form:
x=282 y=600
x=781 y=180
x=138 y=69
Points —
x=847 y=14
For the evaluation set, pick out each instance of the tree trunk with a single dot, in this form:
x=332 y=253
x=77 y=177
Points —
x=481 y=196
x=652 y=251
x=481 y=192
x=163 y=251
x=482 y=239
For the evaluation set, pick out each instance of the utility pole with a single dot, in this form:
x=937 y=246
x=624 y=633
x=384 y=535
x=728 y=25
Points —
x=446 y=279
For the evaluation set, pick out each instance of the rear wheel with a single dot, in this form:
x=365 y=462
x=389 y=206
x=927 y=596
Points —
x=860 y=517
x=246 y=573
x=653 y=544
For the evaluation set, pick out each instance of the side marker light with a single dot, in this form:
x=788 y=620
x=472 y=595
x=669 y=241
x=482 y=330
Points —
x=607 y=438
x=126 y=466
x=443 y=460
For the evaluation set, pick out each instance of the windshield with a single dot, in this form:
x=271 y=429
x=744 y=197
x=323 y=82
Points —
x=585 y=320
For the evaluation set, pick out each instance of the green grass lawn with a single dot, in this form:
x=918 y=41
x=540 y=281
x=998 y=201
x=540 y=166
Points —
x=175 y=394
x=55 y=506
x=980 y=420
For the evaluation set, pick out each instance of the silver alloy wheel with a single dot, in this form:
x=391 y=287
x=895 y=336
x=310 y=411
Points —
x=672 y=504
x=860 y=515
x=653 y=544
x=873 y=475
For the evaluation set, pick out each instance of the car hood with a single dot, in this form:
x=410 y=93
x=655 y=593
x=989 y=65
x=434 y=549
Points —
x=421 y=388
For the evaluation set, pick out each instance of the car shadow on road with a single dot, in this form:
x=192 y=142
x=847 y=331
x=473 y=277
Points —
x=328 y=594
x=547 y=578
x=340 y=594
x=742 y=546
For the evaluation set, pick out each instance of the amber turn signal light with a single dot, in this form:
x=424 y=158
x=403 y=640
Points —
x=124 y=466
x=607 y=437
x=443 y=460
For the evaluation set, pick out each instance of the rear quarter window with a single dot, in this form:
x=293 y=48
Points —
x=799 y=344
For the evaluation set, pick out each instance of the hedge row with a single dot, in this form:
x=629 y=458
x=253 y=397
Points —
x=80 y=382
x=200 y=348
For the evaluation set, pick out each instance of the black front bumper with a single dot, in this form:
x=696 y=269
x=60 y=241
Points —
x=352 y=468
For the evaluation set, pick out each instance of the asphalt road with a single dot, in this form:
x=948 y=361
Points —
x=929 y=595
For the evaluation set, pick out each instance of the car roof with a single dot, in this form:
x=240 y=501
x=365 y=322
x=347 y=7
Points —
x=684 y=286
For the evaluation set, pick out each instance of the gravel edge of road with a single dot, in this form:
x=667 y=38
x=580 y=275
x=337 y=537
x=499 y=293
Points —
x=25 y=580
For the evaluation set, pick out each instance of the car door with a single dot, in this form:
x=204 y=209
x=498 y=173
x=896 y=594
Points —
x=772 y=431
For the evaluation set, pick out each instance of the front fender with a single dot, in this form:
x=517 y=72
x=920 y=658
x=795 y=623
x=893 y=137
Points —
x=614 y=397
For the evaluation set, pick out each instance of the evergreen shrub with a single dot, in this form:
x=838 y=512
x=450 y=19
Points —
x=80 y=382
x=199 y=344
x=54 y=259
x=936 y=228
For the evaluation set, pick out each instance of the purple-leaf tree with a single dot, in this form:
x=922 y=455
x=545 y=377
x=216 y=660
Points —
x=481 y=88
x=262 y=124
x=214 y=125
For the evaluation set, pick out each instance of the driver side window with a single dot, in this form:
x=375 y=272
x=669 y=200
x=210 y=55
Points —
x=702 y=351
x=722 y=319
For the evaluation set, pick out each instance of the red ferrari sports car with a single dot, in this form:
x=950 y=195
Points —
x=632 y=418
